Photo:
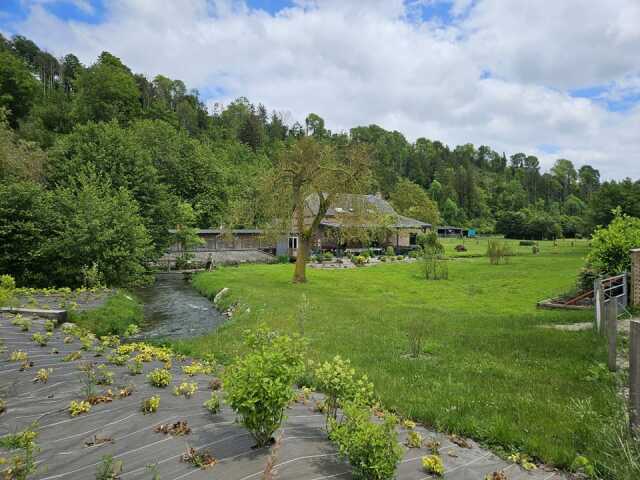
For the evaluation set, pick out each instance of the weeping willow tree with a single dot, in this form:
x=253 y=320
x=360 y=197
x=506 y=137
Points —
x=308 y=177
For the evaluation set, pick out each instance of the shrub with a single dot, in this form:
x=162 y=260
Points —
x=151 y=404
x=135 y=367
x=131 y=330
x=414 y=439
x=41 y=338
x=213 y=404
x=283 y=259
x=160 y=377
x=259 y=385
x=7 y=287
x=498 y=252
x=360 y=260
x=430 y=241
x=49 y=325
x=327 y=256
x=609 y=254
x=371 y=448
x=43 y=375
x=103 y=375
x=186 y=389
x=108 y=469
x=527 y=243
x=390 y=252
x=337 y=379
x=78 y=407
x=433 y=464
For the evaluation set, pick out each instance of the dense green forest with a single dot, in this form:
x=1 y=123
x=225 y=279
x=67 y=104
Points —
x=97 y=163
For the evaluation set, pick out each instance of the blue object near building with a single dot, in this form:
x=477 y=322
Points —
x=471 y=232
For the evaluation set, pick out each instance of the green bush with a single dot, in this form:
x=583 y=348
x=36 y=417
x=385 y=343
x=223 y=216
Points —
x=527 y=243
x=259 y=385
x=359 y=260
x=7 y=287
x=371 y=448
x=609 y=254
x=283 y=259
x=390 y=252
x=327 y=256
x=337 y=379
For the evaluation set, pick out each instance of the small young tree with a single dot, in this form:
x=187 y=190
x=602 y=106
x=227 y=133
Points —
x=259 y=385
x=304 y=184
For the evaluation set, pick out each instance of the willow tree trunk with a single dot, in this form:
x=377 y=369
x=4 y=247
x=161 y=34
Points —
x=300 y=272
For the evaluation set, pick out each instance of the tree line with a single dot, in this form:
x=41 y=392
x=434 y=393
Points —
x=98 y=162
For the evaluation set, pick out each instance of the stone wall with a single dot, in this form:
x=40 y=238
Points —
x=635 y=276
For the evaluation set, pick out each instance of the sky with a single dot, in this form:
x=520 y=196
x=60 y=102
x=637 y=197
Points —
x=551 y=78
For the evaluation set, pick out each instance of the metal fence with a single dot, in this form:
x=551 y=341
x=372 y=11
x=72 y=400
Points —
x=611 y=289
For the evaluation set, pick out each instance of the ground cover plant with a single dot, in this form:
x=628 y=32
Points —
x=488 y=370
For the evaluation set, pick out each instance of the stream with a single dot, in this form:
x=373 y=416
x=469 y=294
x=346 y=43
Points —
x=173 y=308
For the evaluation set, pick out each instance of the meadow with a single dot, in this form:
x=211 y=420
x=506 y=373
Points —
x=488 y=369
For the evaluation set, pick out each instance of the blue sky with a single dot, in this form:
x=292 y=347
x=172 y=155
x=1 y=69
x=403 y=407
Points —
x=553 y=79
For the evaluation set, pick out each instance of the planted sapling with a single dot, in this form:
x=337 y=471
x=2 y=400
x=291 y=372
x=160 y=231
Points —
x=433 y=464
x=43 y=375
x=109 y=469
x=18 y=356
x=160 y=377
x=185 y=389
x=78 y=407
x=151 y=404
x=213 y=404
x=414 y=439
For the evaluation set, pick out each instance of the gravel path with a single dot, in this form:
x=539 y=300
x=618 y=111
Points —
x=69 y=449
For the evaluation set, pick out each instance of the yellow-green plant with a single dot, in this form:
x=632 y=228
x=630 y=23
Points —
x=414 y=439
x=372 y=448
x=49 y=325
x=433 y=464
x=135 y=367
x=338 y=380
x=160 y=377
x=18 y=356
x=78 y=407
x=213 y=404
x=70 y=357
x=41 y=338
x=186 y=389
x=42 y=375
x=103 y=375
x=151 y=404
x=197 y=368
x=408 y=424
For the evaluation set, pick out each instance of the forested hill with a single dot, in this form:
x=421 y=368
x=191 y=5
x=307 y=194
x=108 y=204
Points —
x=83 y=143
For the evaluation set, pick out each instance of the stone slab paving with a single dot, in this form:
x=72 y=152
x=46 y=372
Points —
x=67 y=449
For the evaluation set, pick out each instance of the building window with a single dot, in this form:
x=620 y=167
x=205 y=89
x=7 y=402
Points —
x=293 y=243
x=413 y=239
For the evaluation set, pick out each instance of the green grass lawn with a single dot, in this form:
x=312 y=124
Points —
x=489 y=372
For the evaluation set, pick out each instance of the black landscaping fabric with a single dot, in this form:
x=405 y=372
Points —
x=67 y=449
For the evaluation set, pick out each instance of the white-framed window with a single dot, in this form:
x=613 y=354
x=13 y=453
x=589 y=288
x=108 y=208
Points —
x=293 y=243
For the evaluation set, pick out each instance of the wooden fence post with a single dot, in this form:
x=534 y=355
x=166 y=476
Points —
x=611 y=325
x=634 y=376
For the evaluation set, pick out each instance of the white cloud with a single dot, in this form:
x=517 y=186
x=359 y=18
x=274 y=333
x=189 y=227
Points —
x=356 y=62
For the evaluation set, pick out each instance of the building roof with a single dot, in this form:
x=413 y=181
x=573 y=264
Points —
x=218 y=231
x=372 y=205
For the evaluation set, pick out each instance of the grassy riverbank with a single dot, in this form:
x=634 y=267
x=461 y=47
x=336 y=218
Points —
x=489 y=370
x=113 y=316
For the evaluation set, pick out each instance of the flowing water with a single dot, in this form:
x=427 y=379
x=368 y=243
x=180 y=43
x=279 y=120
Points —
x=173 y=308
